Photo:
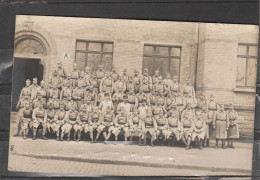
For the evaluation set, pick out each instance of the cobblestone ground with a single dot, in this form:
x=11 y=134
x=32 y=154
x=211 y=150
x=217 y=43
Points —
x=229 y=160
x=28 y=164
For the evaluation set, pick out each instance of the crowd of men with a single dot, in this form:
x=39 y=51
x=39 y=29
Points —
x=113 y=104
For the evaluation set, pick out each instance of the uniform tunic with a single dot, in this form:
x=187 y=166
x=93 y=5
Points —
x=221 y=122
x=38 y=117
x=50 y=120
x=107 y=124
x=233 y=131
x=135 y=125
x=121 y=123
x=173 y=125
x=199 y=129
x=60 y=119
x=25 y=116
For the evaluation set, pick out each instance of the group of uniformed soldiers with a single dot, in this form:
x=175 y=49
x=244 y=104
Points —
x=106 y=103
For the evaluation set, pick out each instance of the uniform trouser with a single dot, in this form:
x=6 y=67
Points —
x=58 y=127
x=121 y=128
x=79 y=103
x=173 y=131
x=51 y=125
x=151 y=131
x=25 y=124
x=135 y=131
x=161 y=131
x=39 y=122
x=91 y=129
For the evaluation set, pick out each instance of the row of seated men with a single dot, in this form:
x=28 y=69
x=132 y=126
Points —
x=160 y=105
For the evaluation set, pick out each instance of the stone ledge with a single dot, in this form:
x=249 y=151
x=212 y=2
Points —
x=244 y=90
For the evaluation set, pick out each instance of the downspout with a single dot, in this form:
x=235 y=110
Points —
x=196 y=60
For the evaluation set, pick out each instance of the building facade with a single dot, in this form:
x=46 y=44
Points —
x=217 y=58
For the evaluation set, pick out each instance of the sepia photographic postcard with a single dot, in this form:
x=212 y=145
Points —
x=114 y=97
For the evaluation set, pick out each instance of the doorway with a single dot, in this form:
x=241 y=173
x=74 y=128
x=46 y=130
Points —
x=23 y=69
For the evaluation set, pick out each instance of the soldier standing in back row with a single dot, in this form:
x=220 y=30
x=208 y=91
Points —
x=233 y=131
x=74 y=75
x=221 y=125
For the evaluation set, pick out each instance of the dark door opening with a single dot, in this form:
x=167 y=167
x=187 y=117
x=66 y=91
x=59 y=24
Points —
x=23 y=69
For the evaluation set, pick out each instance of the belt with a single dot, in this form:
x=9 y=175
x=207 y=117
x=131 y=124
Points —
x=186 y=126
x=220 y=120
x=27 y=116
x=72 y=119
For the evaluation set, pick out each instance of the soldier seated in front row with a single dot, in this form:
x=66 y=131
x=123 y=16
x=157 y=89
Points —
x=149 y=126
x=25 y=118
x=121 y=123
x=173 y=132
x=39 y=120
x=199 y=131
x=60 y=121
x=82 y=122
x=94 y=120
x=107 y=124
x=135 y=126
x=70 y=120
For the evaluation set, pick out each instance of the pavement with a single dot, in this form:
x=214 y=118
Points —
x=132 y=160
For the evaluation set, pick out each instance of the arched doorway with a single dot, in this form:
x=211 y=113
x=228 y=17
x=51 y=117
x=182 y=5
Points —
x=30 y=55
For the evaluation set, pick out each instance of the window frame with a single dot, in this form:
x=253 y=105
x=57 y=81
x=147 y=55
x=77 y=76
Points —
x=169 y=57
x=246 y=58
x=101 y=53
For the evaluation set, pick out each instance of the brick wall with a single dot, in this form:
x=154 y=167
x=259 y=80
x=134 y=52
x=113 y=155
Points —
x=211 y=64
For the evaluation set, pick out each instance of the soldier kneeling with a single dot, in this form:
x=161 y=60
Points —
x=121 y=125
x=107 y=124
x=39 y=120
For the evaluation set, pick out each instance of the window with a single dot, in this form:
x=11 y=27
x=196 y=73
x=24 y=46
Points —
x=92 y=54
x=246 y=65
x=164 y=58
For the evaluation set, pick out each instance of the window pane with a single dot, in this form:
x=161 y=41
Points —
x=175 y=51
x=94 y=47
x=175 y=67
x=241 y=71
x=81 y=45
x=148 y=63
x=107 y=62
x=80 y=60
x=242 y=50
x=162 y=65
x=93 y=61
x=108 y=47
x=163 y=51
x=251 y=77
x=148 y=50
x=253 y=50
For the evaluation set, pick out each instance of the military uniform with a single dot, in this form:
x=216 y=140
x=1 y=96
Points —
x=173 y=122
x=93 y=97
x=26 y=93
x=175 y=88
x=78 y=95
x=55 y=81
x=38 y=119
x=108 y=83
x=69 y=104
x=135 y=125
x=188 y=88
x=100 y=75
x=121 y=123
x=180 y=103
x=37 y=102
x=149 y=126
x=60 y=121
x=105 y=104
x=55 y=102
x=65 y=93
x=114 y=76
x=233 y=131
x=221 y=123
x=95 y=119
x=42 y=92
x=25 y=119
x=120 y=85
x=199 y=130
x=132 y=99
x=107 y=124
x=162 y=125
x=130 y=86
x=53 y=92
x=187 y=126
x=50 y=120
x=70 y=121
x=74 y=77
x=137 y=82
x=82 y=122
